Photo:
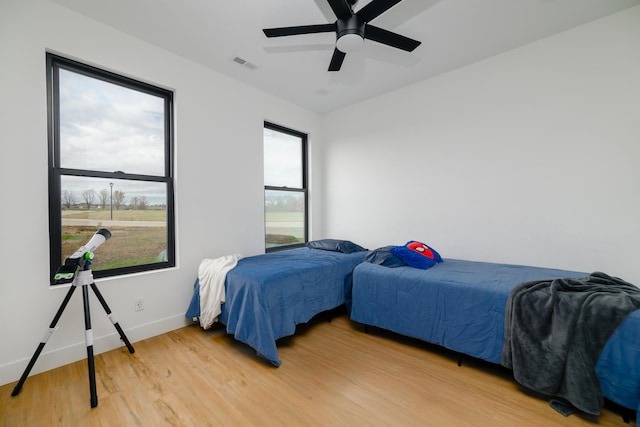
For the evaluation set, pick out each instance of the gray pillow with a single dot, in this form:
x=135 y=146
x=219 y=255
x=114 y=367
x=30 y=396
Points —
x=334 y=245
x=384 y=256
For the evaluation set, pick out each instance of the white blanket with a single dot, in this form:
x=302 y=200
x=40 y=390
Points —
x=211 y=275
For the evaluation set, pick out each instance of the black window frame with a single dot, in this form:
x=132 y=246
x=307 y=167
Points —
x=304 y=189
x=55 y=172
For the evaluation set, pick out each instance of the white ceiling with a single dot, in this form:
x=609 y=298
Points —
x=453 y=33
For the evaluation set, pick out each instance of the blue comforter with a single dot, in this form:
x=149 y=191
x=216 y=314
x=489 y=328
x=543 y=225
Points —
x=461 y=305
x=268 y=295
x=457 y=304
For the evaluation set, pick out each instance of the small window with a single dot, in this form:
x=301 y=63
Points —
x=110 y=166
x=285 y=187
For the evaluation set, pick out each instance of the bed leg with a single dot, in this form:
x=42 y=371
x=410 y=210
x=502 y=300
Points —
x=459 y=359
x=628 y=415
x=366 y=329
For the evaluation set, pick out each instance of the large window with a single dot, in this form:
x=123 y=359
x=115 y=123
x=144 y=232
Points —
x=285 y=187
x=110 y=166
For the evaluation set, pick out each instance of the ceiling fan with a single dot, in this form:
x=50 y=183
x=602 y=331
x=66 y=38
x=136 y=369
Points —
x=351 y=29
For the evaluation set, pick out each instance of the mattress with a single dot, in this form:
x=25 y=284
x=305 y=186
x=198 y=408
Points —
x=460 y=305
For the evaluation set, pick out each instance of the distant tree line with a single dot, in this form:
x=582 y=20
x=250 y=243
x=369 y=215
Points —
x=279 y=202
x=88 y=198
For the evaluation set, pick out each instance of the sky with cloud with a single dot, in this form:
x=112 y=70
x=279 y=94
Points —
x=282 y=159
x=108 y=128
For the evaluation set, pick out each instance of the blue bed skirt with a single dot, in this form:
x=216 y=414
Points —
x=460 y=305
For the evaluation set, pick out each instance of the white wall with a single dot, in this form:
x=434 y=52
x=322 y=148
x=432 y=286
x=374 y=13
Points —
x=529 y=157
x=219 y=181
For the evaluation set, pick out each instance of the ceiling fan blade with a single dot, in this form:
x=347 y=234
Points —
x=376 y=8
x=336 y=60
x=340 y=8
x=389 y=38
x=300 y=29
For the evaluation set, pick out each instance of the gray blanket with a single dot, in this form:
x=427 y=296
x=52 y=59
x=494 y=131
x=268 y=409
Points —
x=555 y=330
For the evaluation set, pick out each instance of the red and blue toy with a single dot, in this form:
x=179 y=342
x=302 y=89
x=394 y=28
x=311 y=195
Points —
x=417 y=254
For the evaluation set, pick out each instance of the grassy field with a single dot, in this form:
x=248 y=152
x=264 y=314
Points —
x=276 y=217
x=124 y=215
x=284 y=228
x=141 y=245
x=127 y=245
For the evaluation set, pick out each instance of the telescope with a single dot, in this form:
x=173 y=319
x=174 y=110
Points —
x=80 y=258
x=77 y=271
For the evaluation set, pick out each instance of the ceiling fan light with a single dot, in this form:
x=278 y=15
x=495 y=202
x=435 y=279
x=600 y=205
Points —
x=349 y=42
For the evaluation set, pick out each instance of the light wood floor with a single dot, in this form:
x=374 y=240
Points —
x=332 y=374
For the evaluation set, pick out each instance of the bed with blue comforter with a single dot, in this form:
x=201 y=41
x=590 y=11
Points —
x=268 y=295
x=461 y=306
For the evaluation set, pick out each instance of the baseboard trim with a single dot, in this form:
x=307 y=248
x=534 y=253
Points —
x=55 y=358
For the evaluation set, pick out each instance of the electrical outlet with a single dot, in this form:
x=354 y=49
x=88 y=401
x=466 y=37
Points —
x=139 y=304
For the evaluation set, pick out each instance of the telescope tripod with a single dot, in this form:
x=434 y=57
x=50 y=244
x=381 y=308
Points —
x=84 y=278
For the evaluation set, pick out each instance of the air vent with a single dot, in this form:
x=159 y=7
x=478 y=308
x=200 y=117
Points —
x=245 y=63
